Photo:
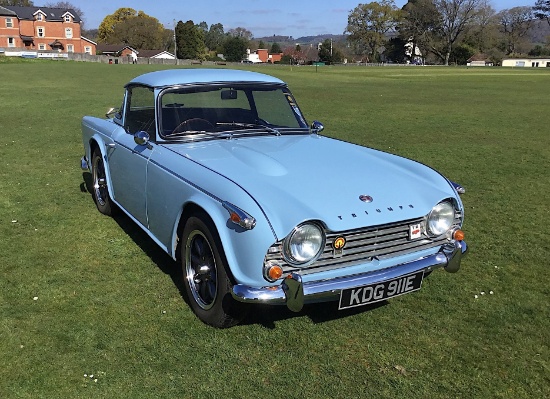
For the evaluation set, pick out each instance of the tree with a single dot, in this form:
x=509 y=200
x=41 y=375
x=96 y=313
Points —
x=234 y=48
x=293 y=55
x=68 y=6
x=461 y=53
x=515 y=23
x=368 y=24
x=275 y=48
x=542 y=10
x=107 y=26
x=203 y=26
x=539 y=51
x=325 y=51
x=140 y=32
x=22 y=3
x=189 y=40
x=395 y=50
x=484 y=34
x=419 y=24
x=215 y=37
x=456 y=17
x=167 y=40
x=329 y=53
x=241 y=32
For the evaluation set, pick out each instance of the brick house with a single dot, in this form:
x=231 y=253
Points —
x=262 y=55
x=43 y=29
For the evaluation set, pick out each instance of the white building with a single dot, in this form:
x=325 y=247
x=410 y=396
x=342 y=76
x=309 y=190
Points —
x=526 y=62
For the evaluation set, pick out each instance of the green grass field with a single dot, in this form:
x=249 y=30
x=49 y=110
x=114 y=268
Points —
x=82 y=294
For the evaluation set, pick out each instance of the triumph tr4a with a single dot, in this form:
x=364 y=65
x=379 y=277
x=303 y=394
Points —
x=220 y=168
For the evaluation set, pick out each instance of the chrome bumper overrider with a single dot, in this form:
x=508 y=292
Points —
x=294 y=293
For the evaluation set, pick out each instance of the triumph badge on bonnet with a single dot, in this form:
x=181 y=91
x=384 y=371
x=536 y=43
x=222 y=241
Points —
x=366 y=198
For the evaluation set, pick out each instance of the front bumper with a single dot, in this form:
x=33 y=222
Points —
x=295 y=293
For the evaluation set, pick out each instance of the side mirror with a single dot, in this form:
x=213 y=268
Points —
x=317 y=127
x=142 y=138
x=110 y=112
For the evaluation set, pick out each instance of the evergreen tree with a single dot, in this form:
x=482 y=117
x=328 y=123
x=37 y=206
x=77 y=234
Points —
x=234 y=48
x=275 y=48
x=189 y=41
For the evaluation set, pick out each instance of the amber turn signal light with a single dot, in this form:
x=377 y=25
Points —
x=458 y=235
x=275 y=272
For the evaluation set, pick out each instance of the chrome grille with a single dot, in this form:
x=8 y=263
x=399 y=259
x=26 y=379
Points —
x=364 y=245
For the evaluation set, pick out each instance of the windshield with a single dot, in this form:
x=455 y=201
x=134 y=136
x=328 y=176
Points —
x=208 y=110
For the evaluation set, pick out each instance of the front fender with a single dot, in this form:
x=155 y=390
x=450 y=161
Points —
x=176 y=184
x=244 y=250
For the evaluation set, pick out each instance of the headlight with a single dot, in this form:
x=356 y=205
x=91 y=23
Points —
x=441 y=218
x=304 y=244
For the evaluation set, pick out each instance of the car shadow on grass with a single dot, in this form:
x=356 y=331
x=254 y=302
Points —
x=318 y=313
x=264 y=315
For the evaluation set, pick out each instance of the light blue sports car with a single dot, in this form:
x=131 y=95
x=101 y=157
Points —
x=220 y=168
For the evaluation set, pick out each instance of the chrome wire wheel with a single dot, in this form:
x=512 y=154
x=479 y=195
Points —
x=101 y=192
x=200 y=270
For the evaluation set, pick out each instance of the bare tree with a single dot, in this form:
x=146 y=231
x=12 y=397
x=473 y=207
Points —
x=484 y=33
x=514 y=24
x=240 y=32
x=456 y=17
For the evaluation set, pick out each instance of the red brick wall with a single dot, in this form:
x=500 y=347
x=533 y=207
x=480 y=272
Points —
x=262 y=54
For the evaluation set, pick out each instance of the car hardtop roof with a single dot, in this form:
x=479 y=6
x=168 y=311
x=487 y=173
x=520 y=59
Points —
x=173 y=77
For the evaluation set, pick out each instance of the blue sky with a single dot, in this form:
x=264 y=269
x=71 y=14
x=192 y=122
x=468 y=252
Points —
x=262 y=17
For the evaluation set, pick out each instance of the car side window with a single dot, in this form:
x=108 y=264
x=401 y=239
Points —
x=140 y=110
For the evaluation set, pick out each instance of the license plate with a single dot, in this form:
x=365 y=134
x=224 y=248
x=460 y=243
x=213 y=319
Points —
x=360 y=296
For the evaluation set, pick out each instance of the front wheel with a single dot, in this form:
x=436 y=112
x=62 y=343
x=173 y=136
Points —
x=206 y=281
x=100 y=190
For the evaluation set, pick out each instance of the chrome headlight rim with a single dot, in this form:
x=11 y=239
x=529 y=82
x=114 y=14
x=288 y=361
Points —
x=441 y=218
x=289 y=250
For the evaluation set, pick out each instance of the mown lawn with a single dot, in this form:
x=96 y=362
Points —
x=82 y=294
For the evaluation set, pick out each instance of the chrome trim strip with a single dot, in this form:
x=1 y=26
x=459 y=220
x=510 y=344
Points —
x=295 y=293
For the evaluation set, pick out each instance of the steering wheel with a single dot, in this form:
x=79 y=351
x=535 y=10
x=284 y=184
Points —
x=193 y=124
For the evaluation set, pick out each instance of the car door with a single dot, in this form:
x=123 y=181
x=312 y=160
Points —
x=127 y=159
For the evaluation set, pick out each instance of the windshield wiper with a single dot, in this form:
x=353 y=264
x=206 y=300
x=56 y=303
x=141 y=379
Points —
x=250 y=125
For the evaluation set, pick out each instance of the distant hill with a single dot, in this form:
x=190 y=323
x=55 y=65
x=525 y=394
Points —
x=289 y=40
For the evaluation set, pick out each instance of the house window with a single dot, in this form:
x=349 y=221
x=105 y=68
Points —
x=41 y=46
x=68 y=33
x=40 y=31
x=39 y=17
x=11 y=42
x=67 y=18
x=88 y=50
x=70 y=48
x=9 y=23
